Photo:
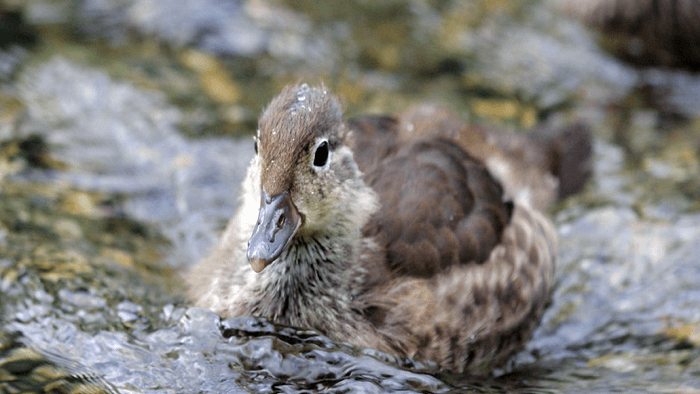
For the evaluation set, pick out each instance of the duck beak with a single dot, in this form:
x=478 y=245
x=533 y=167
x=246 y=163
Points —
x=278 y=221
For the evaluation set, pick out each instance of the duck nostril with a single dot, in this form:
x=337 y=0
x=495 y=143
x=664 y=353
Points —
x=280 y=221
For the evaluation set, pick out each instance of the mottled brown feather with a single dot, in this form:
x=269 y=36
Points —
x=433 y=192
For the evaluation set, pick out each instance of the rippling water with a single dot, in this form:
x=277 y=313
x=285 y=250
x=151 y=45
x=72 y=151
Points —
x=123 y=139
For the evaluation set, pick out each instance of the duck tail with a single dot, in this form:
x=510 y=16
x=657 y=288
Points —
x=570 y=151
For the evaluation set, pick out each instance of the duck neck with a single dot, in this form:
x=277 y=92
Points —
x=311 y=284
x=316 y=279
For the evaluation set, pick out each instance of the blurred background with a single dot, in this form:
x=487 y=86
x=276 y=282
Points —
x=125 y=131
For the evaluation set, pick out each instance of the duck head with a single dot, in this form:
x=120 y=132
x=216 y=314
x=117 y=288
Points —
x=304 y=169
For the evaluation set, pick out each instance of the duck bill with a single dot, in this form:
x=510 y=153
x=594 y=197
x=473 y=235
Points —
x=278 y=221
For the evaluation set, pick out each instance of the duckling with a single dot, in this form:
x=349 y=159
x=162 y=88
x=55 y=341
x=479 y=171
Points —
x=413 y=234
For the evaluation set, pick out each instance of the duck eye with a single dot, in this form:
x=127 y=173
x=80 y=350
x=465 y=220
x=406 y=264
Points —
x=321 y=155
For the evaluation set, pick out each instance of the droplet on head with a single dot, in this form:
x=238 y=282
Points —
x=301 y=94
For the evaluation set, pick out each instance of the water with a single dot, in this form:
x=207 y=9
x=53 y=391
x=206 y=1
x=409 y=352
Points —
x=120 y=164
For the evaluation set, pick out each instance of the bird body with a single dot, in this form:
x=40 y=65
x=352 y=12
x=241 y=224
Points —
x=416 y=234
x=646 y=33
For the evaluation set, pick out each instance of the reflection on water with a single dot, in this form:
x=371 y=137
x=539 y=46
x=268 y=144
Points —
x=121 y=155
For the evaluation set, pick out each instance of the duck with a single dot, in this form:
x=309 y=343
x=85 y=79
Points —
x=414 y=234
x=645 y=33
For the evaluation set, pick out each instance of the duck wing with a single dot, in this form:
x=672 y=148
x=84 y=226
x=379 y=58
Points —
x=439 y=206
x=466 y=273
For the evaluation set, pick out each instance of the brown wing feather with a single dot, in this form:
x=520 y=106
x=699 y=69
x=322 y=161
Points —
x=373 y=139
x=439 y=206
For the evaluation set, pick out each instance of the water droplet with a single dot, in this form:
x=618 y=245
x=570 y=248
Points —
x=301 y=94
